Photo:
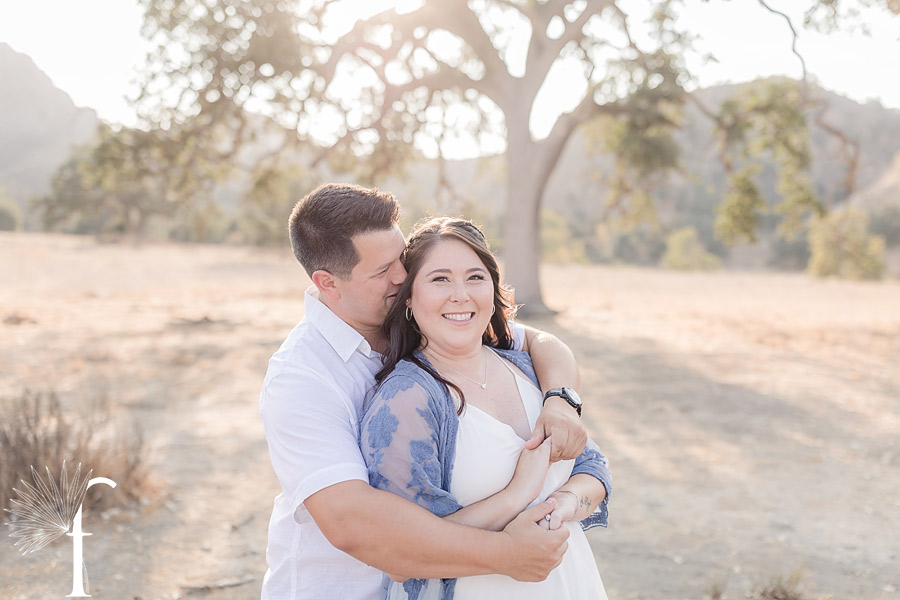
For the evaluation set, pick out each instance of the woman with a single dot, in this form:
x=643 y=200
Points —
x=448 y=422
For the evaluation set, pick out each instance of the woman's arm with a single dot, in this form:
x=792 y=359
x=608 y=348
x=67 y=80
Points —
x=576 y=500
x=495 y=512
x=400 y=442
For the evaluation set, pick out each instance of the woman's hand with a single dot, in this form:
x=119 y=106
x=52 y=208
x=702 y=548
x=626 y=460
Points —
x=531 y=471
x=566 y=506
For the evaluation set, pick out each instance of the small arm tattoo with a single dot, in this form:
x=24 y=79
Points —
x=585 y=502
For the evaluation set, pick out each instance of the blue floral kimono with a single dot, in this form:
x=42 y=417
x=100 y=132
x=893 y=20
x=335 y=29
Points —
x=408 y=439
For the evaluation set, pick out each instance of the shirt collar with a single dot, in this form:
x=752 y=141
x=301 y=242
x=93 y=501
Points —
x=342 y=337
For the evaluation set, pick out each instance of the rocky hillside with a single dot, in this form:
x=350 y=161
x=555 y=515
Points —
x=39 y=125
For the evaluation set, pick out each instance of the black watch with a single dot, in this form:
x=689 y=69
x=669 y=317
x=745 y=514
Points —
x=567 y=394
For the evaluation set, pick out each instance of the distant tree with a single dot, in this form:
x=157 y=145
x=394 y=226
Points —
x=558 y=245
x=841 y=246
x=885 y=222
x=686 y=252
x=10 y=215
x=124 y=181
x=439 y=71
x=266 y=207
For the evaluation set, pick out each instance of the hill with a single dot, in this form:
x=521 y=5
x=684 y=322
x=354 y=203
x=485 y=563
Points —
x=39 y=126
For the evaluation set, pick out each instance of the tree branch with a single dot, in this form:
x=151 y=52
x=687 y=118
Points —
x=794 y=34
x=543 y=51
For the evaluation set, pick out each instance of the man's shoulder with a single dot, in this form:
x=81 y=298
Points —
x=305 y=346
x=305 y=355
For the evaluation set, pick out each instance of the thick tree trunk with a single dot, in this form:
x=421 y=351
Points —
x=527 y=175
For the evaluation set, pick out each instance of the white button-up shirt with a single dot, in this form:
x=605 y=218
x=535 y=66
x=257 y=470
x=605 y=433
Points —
x=311 y=405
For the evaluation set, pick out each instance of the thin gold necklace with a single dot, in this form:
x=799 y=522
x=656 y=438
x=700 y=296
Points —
x=482 y=384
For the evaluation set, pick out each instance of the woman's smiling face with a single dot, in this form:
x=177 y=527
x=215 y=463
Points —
x=452 y=298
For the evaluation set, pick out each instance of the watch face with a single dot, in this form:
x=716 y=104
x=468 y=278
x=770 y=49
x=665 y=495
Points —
x=572 y=394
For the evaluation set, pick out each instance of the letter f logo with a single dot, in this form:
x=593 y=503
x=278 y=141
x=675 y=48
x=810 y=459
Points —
x=77 y=550
x=47 y=511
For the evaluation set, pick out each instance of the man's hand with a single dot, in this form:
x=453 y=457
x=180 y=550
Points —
x=534 y=551
x=560 y=422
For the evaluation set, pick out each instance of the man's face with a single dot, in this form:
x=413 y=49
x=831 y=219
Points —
x=374 y=282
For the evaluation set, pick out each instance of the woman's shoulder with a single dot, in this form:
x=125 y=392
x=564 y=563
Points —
x=520 y=359
x=518 y=355
x=406 y=374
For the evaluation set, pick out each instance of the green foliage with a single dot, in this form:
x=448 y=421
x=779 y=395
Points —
x=366 y=96
x=738 y=216
x=73 y=206
x=10 y=215
x=557 y=243
x=886 y=223
x=127 y=179
x=840 y=246
x=762 y=119
x=685 y=251
x=791 y=255
x=268 y=205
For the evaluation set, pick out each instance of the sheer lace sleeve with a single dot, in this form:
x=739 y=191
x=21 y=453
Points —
x=403 y=439
x=592 y=462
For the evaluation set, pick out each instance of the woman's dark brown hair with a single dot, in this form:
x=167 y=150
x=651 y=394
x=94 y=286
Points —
x=403 y=335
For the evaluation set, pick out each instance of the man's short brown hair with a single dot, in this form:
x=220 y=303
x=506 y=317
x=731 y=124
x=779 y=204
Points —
x=323 y=223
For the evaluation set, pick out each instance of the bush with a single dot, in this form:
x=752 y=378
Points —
x=790 y=255
x=840 y=246
x=9 y=215
x=34 y=431
x=781 y=589
x=685 y=251
x=886 y=223
x=557 y=242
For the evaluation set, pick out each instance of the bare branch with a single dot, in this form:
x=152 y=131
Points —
x=794 y=34
x=849 y=148
x=543 y=51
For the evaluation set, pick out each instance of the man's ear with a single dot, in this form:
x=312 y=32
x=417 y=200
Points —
x=327 y=284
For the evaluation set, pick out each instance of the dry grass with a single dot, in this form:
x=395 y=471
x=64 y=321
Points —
x=35 y=432
x=781 y=588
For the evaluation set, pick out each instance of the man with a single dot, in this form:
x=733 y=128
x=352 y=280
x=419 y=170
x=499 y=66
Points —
x=330 y=532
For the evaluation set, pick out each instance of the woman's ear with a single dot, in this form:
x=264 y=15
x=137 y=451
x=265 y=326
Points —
x=327 y=284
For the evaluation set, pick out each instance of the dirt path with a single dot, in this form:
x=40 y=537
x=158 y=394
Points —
x=752 y=420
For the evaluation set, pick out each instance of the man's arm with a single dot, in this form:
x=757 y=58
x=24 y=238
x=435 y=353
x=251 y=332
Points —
x=555 y=366
x=404 y=539
x=315 y=454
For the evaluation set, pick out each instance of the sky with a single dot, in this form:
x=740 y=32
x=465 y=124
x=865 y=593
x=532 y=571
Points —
x=91 y=50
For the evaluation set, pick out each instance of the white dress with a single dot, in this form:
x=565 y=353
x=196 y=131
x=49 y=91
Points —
x=487 y=451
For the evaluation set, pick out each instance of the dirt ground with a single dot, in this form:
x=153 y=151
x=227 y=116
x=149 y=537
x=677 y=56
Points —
x=752 y=420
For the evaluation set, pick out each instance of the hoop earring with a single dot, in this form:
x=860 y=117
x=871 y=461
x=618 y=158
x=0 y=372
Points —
x=409 y=314
x=493 y=309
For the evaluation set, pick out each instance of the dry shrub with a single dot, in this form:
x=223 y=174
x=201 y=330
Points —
x=781 y=589
x=716 y=589
x=34 y=431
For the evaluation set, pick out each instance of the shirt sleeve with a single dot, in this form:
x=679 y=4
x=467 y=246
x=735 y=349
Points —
x=518 y=334
x=311 y=432
x=401 y=444
x=592 y=462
